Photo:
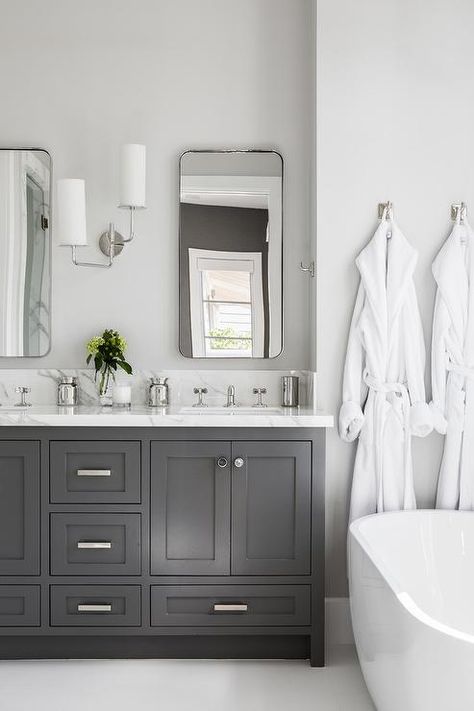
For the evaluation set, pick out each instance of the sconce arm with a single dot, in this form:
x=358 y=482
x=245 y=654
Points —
x=131 y=236
x=99 y=265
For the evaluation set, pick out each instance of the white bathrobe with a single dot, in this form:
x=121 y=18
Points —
x=453 y=367
x=383 y=389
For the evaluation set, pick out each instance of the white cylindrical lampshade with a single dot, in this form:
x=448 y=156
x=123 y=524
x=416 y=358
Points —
x=71 y=212
x=132 y=175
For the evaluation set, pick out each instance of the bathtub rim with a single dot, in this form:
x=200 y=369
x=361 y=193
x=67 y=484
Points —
x=404 y=598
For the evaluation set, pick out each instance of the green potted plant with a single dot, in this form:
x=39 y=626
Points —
x=108 y=353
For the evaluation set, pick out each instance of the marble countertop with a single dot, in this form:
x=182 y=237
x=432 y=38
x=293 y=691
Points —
x=52 y=416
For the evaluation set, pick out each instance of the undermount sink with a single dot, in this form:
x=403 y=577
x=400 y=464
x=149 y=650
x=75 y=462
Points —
x=221 y=410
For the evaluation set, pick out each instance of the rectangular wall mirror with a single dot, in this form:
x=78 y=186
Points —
x=230 y=247
x=25 y=252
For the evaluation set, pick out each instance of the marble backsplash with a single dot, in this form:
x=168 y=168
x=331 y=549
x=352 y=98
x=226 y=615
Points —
x=43 y=384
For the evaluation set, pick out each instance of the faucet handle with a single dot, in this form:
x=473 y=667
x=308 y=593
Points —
x=200 y=392
x=23 y=390
x=259 y=392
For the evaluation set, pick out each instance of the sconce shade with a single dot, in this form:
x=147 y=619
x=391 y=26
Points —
x=71 y=212
x=132 y=175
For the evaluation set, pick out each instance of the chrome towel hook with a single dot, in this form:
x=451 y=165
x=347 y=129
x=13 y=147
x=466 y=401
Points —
x=458 y=212
x=385 y=208
x=310 y=268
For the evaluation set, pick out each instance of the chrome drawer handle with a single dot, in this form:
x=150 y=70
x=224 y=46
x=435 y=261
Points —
x=238 y=462
x=94 y=608
x=230 y=607
x=94 y=472
x=222 y=462
x=92 y=545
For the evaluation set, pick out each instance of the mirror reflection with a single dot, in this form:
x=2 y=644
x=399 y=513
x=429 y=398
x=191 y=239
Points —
x=25 y=186
x=231 y=254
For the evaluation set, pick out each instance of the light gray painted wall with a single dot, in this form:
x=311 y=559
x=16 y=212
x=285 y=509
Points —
x=231 y=164
x=81 y=78
x=395 y=121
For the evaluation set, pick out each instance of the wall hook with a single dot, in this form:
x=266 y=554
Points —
x=310 y=268
x=385 y=208
x=458 y=211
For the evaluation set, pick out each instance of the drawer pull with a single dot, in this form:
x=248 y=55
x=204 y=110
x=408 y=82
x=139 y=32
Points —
x=93 y=545
x=230 y=607
x=94 y=608
x=94 y=472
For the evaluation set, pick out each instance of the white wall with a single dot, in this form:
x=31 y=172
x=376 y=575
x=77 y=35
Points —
x=81 y=78
x=395 y=121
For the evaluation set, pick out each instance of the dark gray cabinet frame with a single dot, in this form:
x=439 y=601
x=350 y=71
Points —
x=44 y=641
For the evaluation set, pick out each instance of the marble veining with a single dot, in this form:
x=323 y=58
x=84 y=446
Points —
x=53 y=416
x=43 y=384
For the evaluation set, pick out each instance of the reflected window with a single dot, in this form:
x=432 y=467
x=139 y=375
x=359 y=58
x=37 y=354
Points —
x=227 y=307
x=226 y=303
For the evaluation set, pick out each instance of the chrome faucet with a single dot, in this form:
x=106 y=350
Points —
x=200 y=392
x=231 y=397
x=23 y=393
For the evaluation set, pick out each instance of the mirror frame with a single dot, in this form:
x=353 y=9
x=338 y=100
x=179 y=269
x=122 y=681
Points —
x=49 y=251
x=233 y=359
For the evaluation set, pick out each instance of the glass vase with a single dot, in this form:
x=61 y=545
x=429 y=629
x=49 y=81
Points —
x=105 y=389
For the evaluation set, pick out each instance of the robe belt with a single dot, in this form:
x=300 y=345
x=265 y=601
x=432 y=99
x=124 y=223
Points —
x=382 y=389
x=463 y=370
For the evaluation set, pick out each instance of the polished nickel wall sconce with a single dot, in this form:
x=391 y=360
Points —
x=71 y=213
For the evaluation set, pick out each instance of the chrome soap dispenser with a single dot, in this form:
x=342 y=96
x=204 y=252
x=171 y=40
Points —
x=158 y=392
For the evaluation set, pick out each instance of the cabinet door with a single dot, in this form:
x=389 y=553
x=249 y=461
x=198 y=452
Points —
x=190 y=508
x=271 y=508
x=19 y=508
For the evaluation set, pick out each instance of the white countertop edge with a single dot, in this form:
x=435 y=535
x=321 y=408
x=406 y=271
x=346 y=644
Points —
x=170 y=417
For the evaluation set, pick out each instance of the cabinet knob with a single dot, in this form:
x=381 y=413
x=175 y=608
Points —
x=222 y=462
x=238 y=462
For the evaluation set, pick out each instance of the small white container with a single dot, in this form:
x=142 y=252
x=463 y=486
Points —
x=122 y=395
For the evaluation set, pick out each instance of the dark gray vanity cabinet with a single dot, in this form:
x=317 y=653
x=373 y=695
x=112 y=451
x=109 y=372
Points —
x=162 y=542
x=19 y=508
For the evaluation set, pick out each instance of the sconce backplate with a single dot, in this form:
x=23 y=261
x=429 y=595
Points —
x=104 y=244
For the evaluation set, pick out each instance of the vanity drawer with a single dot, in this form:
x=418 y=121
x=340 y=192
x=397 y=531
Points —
x=95 y=544
x=19 y=605
x=95 y=472
x=95 y=605
x=230 y=605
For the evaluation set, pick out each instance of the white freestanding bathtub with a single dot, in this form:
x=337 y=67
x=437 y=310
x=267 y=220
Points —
x=412 y=604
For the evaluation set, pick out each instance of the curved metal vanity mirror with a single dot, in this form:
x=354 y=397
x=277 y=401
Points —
x=230 y=247
x=25 y=252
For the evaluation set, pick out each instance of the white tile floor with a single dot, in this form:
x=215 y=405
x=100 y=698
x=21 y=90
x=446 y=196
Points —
x=184 y=685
